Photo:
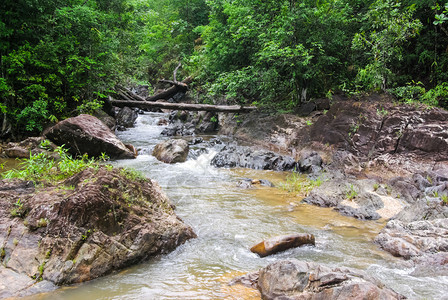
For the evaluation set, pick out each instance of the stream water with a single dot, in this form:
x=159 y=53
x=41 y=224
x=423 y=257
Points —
x=228 y=221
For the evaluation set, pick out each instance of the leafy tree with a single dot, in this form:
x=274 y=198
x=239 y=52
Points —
x=388 y=28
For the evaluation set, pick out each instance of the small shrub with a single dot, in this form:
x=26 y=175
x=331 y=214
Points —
x=351 y=193
x=132 y=174
x=376 y=186
x=382 y=112
x=300 y=183
x=43 y=222
x=18 y=210
x=444 y=198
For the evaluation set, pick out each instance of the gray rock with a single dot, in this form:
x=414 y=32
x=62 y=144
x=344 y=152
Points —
x=361 y=213
x=415 y=238
x=294 y=279
x=237 y=156
x=309 y=160
x=126 y=117
x=172 y=151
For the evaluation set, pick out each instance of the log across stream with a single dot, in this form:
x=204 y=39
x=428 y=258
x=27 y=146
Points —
x=184 y=106
x=228 y=221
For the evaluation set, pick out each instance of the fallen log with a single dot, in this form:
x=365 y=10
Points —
x=185 y=106
x=128 y=94
x=178 y=86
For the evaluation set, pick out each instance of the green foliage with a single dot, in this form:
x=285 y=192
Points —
x=300 y=183
x=351 y=193
x=18 y=209
x=409 y=93
x=444 y=198
x=387 y=27
x=43 y=222
x=59 y=58
x=132 y=174
x=42 y=167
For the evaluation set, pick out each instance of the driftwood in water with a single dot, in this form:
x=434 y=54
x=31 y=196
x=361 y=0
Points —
x=184 y=106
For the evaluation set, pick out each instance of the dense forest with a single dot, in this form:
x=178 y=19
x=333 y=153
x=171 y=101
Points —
x=60 y=58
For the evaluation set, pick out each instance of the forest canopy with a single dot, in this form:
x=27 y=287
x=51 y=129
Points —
x=61 y=58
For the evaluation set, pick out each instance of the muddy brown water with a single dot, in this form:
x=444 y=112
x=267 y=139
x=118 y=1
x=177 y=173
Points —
x=228 y=221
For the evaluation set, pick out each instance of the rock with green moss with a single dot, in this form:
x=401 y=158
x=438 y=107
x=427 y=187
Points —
x=94 y=222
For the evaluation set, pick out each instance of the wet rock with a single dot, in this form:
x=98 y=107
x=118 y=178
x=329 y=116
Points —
x=415 y=238
x=126 y=117
x=179 y=129
x=360 y=213
x=31 y=145
x=184 y=123
x=162 y=122
x=294 y=279
x=310 y=160
x=106 y=119
x=196 y=141
x=237 y=156
x=247 y=183
x=329 y=194
x=430 y=265
x=172 y=151
x=282 y=243
x=14 y=284
x=93 y=223
x=87 y=134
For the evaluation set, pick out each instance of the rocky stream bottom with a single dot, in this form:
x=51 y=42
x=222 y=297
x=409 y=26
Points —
x=358 y=252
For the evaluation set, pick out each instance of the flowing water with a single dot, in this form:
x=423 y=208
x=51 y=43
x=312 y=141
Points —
x=228 y=221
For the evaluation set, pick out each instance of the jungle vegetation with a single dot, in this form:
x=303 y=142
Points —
x=61 y=58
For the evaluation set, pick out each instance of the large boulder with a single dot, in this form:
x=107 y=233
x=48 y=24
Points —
x=282 y=243
x=238 y=156
x=171 y=151
x=95 y=222
x=294 y=279
x=87 y=134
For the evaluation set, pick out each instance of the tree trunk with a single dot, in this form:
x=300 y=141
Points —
x=185 y=106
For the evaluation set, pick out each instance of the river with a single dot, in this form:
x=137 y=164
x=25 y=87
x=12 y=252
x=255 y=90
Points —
x=228 y=221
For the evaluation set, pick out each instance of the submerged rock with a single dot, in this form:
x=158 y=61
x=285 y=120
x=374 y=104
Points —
x=172 y=151
x=247 y=183
x=282 y=243
x=294 y=279
x=95 y=222
x=237 y=156
x=87 y=134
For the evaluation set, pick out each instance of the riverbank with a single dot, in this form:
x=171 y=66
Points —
x=229 y=220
